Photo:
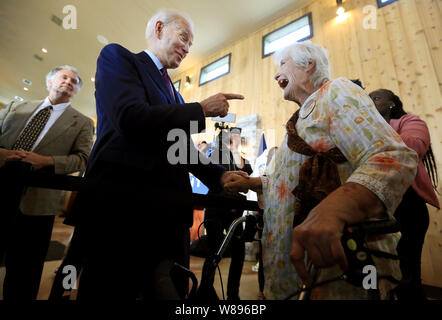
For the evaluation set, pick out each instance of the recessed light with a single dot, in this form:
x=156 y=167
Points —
x=93 y=79
x=27 y=82
x=18 y=98
x=102 y=39
x=26 y=89
x=340 y=11
x=44 y=50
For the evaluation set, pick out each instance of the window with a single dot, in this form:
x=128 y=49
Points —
x=177 y=85
x=383 y=3
x=215 y=70
x=295 y=31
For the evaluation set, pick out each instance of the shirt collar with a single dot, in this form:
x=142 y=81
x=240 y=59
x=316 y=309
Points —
x=154 y=59
x=59 y=107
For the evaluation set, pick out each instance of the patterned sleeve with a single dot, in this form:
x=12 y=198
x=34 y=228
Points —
x=380 y=159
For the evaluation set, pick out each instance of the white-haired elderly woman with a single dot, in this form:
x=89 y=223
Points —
x=340 y=163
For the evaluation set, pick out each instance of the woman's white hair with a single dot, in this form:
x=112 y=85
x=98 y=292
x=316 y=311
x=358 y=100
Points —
x=302 y=54
x=54 y=71
x=166 y=16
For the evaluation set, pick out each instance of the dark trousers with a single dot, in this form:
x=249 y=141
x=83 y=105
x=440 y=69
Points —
x=216 y=221
x=412 y=215
x=123 y=267
x=25 y=247
x=74 y=258
x=124 y=235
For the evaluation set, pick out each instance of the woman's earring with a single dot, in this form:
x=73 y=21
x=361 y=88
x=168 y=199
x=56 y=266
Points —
x=391 y=107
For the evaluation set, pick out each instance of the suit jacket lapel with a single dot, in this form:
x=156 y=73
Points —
x=67 y=119
x=149 y=68
x=22 y=114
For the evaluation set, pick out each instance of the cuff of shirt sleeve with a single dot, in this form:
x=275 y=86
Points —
x=264 y=182
x=383 y=191
x=264 y=188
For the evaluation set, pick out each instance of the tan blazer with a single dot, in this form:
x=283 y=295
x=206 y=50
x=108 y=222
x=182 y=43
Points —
x=68 y=141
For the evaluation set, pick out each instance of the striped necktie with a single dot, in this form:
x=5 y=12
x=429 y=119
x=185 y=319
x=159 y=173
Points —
x=168 y=82
x=32 y=131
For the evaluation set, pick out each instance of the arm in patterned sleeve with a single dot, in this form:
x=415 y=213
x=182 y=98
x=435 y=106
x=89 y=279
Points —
x=382 y=161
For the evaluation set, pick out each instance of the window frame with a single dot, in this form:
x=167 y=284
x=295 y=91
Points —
x=310 y=24
x=381 y=5
x=217 y=77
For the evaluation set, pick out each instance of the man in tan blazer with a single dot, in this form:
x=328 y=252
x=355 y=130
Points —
x=61 y=144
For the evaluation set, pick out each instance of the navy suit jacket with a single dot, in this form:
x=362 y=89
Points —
x=135 y=114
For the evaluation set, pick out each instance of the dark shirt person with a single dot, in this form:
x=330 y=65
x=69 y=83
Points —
x=217 y=219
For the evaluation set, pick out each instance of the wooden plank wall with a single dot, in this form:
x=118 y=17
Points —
x=403 y=53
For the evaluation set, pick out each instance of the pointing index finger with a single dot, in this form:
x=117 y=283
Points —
x=230 y=96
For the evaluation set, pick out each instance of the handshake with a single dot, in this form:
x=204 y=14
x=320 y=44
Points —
x=239 y=181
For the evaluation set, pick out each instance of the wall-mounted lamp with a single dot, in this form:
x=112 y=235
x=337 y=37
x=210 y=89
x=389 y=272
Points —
x=187 y=83
x=341 y=9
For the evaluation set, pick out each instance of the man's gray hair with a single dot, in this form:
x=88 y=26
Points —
x=166 y=16
x=54 y=71
x=302 y=54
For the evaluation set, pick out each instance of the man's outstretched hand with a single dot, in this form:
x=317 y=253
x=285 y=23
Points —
x=218 y=105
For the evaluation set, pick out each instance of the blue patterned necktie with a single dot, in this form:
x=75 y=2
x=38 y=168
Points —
x=32 y=131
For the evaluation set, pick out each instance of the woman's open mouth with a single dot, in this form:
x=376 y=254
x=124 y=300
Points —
x=283 y=83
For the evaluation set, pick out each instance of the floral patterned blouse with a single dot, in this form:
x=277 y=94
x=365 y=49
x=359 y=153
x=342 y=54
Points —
x=339 y=114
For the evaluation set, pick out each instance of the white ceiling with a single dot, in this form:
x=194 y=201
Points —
x=26 y=27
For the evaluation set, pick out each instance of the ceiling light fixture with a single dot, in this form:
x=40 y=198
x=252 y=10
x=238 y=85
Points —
x=187 y=83
x=18 y=98
x=93 y=79
x=341 y=9
x=26 y=89
x=44 y=50
x=27 y=82
x=102 y=39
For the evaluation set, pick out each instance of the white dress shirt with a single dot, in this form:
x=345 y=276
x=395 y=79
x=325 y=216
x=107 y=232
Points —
x=155 y=60
x=56 y=112
x=160 y=66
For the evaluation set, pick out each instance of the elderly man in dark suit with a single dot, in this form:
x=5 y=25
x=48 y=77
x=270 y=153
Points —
x=53 y=136
x=131 y=231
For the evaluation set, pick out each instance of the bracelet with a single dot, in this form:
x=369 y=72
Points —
x=264 y=182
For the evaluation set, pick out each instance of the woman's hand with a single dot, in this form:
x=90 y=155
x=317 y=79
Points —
x=320 y=234
x=320 y=237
